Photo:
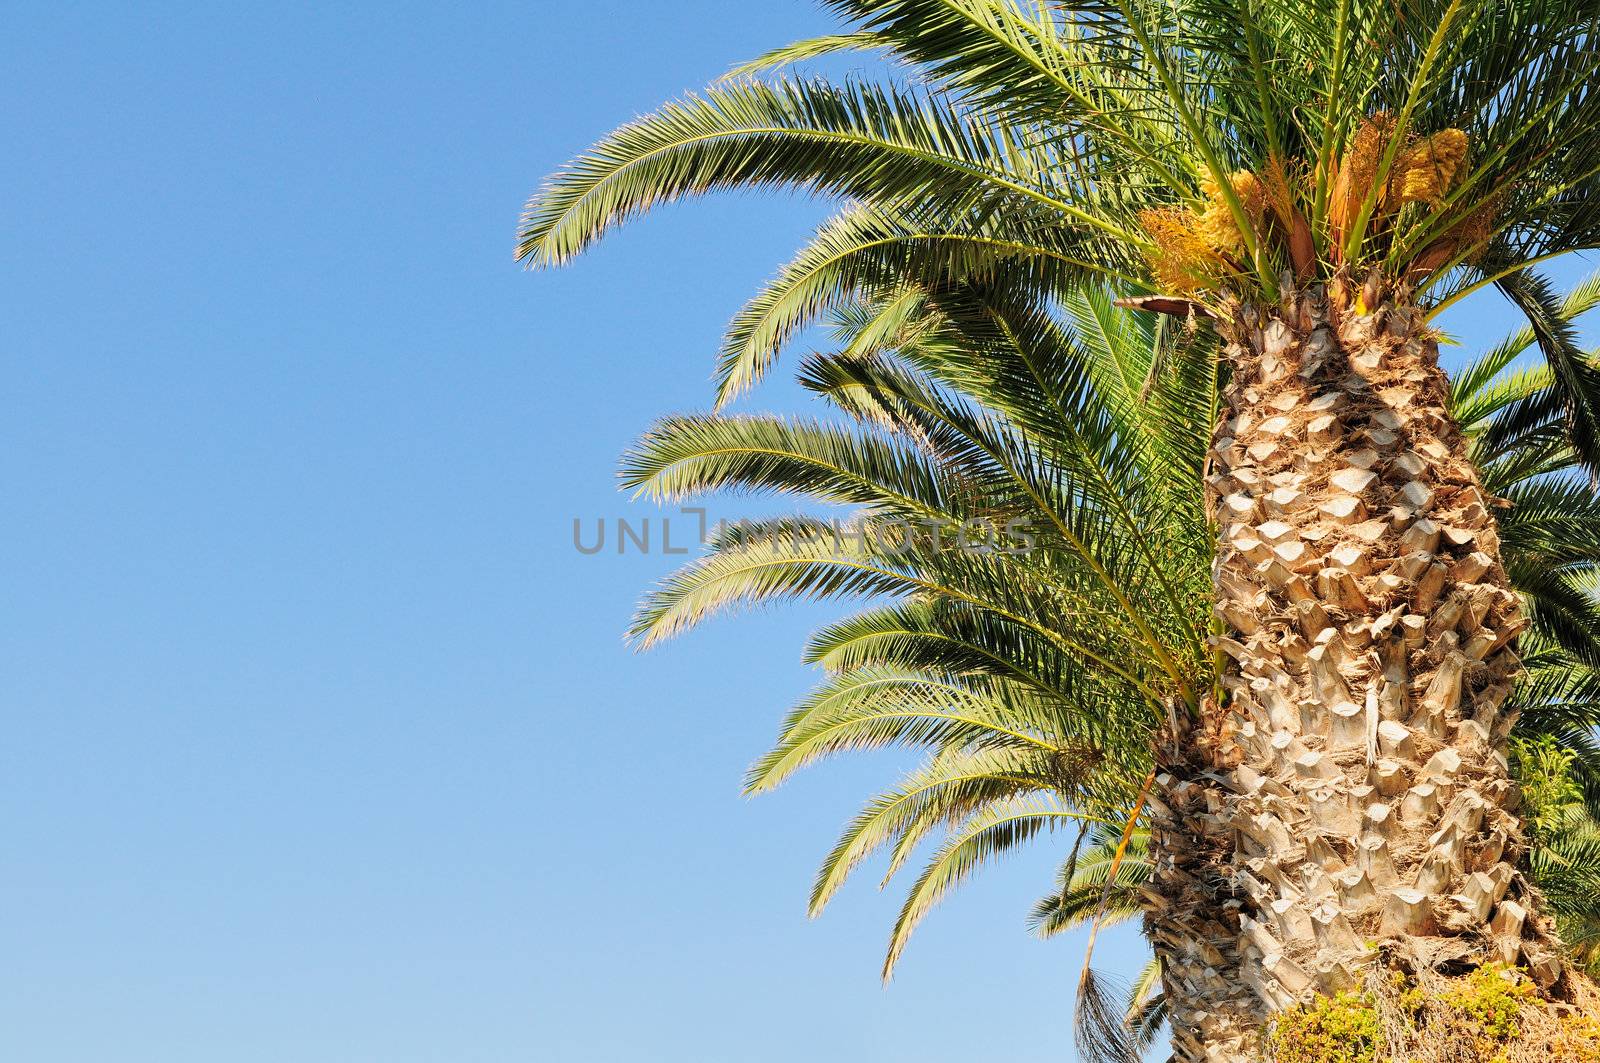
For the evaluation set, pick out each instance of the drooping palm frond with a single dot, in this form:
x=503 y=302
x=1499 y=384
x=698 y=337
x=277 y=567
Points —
x=863 y=251
x=1474 y=397
x=1082 y=894
x=1571 y=397
x=952 y=785
x=871 y=708
x=810 y=48
x=992 y=832
x=887 y=146
x=1147 y=1007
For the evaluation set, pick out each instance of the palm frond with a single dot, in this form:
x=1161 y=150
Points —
x=887 y=145
x=810 y=48
x=1574 y=388
x=982 y=839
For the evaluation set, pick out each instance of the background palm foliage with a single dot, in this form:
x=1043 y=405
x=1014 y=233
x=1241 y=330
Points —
x=1033 y=681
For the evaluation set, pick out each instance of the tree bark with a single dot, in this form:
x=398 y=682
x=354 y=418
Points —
x=1348 y=804
x=1193 y=922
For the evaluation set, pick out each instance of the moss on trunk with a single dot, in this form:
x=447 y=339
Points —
x=1493 y=1014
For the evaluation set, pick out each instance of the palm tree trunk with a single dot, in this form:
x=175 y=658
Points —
x=1194 y=921
x=1348 y=807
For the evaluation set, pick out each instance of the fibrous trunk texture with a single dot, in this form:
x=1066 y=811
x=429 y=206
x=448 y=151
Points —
x=1349 y=803
x=1194 y=920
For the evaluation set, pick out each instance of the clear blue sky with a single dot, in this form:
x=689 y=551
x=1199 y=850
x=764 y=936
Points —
x=321 y=742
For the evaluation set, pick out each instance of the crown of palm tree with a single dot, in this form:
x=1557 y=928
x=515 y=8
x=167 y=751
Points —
x=1216 y=147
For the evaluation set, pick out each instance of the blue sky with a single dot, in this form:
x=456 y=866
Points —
x=321 y=740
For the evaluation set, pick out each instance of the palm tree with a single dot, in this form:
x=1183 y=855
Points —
x=1309 y=183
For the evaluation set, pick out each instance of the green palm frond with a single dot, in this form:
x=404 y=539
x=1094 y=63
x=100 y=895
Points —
x=683 y=457
x=872 y=708
x=948 y=788
x=994 y=832
x=810 y=48
x=862 y=251
x=1482 y=388
x=887 y=145
x=1147 y=1007
x=1573 y=391
x=1077 y=896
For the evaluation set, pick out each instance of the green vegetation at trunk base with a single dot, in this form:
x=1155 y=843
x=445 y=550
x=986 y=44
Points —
x=1339 y=1029
x=1493 y=1015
